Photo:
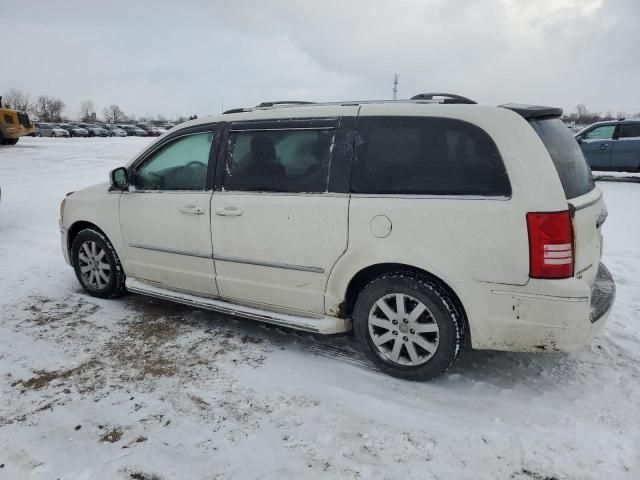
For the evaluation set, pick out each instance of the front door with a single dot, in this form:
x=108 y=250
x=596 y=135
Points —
x=597 y=145
x=277 y=229
x=165 y=215
x=626 y=151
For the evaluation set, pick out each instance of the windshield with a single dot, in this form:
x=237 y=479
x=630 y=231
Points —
x=567 y=156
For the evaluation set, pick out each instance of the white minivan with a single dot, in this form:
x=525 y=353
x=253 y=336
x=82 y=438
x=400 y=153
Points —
x=423 y=225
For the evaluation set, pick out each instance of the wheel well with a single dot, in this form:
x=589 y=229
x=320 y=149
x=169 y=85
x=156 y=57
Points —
x=366 y=275
x=76 y=228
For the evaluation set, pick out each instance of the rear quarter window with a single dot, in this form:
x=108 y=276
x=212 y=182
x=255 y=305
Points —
x=573 y=170
x=426 y=155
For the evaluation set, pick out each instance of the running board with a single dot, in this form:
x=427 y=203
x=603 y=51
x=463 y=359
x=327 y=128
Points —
x=323 y=324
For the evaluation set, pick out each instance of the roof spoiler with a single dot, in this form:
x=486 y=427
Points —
x=533 y=111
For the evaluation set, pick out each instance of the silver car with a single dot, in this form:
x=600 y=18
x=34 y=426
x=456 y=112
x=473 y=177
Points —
x=114 y=131
x=51 y=130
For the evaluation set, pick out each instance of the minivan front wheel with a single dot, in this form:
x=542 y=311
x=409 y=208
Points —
x=408 y=326
x=97 y=265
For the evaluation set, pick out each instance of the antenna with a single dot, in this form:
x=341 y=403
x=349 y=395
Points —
x=395 y=86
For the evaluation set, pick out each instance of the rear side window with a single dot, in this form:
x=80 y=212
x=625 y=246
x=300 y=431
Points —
x=279 y=160
x=630 y=130
x=575 y=174
x=426 y=155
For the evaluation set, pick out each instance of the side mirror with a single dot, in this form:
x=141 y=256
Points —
x=579 y=139
x=119 y=178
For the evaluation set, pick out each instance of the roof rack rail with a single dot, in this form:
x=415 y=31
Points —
x=282 y=102
x=234 y=110
x=447 y=97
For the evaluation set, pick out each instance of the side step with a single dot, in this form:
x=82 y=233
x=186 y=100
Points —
x=322 y=324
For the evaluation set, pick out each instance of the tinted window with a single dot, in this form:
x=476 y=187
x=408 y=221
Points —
x=605 y=132
x=567 y=156
x=178 y=165
x=426 y=155
x=279 y=160
x=630 y=130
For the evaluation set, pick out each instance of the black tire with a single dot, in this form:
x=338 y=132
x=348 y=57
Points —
x=2 y=141
x=11 y=141
x=112 y=288
x=441 y=310
x=91 y=134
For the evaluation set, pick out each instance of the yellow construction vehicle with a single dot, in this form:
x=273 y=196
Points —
x=13 y=125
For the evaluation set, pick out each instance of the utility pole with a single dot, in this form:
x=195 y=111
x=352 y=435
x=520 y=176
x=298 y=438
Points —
x=395 y=86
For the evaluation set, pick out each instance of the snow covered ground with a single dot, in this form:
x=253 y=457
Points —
x=142 y=389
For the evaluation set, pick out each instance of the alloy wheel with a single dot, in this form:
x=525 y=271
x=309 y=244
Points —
x=94 y=267
x=403 y=329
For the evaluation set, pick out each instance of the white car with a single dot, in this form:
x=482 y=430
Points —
x=424 y=225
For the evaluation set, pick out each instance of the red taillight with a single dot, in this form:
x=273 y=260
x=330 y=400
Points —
x=550 y=245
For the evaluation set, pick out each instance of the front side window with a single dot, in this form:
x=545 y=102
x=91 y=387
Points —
x=178 y=165
x=605 y=132
x=630 y=130
x=279 y=160
x=426 y=155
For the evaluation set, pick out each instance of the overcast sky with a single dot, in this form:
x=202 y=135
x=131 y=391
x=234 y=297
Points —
x=183 y=57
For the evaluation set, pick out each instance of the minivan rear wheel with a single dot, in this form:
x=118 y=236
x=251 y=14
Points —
x=408 y=325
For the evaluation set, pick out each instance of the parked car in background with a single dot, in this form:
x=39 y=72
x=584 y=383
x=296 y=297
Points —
x=74 y=130
x=133 y=131
x=95 y=130
x=151 y=130
x=612 y=145
x=114 y=130
x=428 y=233
x=51 y=130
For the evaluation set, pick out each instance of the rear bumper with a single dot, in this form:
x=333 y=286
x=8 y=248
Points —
x=544 y=315
x=603 y=294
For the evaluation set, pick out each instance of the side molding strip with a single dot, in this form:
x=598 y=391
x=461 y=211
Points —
x=286 y=266
x=221 y=258
x=170 y=250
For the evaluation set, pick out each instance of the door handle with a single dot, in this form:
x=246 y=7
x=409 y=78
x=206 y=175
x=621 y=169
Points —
x=228 y=211
x=192 y=209
x=603 y=146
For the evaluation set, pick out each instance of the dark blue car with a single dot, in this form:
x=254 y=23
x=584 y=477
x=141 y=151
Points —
x=613 y=145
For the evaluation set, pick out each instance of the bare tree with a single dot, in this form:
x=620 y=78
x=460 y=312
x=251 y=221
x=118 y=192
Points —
x=18 y=100
x=42 y=108
x=87 y=110
x=582 y=112
x=113 y=114
x=49 y=109
x=57 y=107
